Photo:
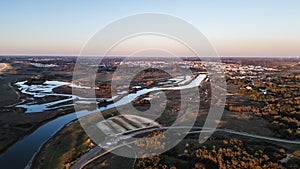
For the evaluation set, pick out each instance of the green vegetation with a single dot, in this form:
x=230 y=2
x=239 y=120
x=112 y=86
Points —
x=66 y=146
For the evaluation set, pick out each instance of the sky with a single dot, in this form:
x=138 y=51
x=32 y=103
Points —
x=234 y=27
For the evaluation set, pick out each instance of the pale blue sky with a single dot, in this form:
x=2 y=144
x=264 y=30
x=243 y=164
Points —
x=235 y=27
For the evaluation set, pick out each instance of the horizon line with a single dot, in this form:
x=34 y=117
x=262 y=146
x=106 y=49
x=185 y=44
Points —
x=221 y=56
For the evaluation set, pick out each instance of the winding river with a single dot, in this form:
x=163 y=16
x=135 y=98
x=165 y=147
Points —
x=20 y=153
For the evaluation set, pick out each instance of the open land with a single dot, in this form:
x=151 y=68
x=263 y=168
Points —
x=262 y=100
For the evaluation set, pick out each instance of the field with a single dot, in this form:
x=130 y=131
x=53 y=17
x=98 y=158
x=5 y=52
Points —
x=260 y=120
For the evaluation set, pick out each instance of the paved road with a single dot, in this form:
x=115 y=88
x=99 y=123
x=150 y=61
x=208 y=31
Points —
x=92 y=153
x=86 y=159
x=45 y=131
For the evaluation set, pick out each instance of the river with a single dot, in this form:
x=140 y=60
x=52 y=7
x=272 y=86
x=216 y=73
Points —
x=20 y=153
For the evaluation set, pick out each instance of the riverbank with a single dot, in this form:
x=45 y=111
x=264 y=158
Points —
x=44 y=132
x=60 y=150
x=69 y=143
x=16 y=125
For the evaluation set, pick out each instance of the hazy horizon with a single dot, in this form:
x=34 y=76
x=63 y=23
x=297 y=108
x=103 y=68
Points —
x=235 y=28
x=20 y=55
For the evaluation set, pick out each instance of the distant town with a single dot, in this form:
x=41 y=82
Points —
x=259 y=128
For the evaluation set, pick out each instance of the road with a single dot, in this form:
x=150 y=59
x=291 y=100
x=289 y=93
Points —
x=45 y=131
x=83 y=159
x=86 y=159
